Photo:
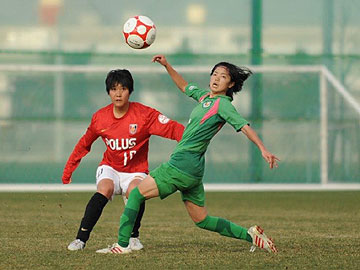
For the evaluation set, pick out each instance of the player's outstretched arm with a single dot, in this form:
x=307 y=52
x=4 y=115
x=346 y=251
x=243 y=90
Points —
x=269 y=157
x=175 y=76
x=80 y=150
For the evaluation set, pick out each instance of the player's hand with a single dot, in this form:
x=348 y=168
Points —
x=271 y=159
x=159 y=58
x=66 y=180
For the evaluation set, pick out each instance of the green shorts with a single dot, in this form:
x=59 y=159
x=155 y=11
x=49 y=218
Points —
x=169 y=179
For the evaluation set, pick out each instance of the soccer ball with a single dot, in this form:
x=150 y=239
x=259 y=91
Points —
x=139 y=32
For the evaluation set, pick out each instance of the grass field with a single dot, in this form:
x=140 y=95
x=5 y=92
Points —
x=313 y=230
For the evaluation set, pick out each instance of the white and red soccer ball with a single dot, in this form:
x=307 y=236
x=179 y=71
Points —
x=139 y=32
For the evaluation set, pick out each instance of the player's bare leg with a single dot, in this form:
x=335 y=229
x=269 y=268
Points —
x=196 y=213
x=148 y=188
x=106 y=188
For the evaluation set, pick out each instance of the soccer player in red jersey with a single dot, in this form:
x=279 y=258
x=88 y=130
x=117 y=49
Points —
x=125 y=127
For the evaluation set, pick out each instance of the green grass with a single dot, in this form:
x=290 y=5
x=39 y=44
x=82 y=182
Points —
x=313 y=230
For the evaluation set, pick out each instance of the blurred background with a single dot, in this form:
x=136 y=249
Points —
x=44 y=111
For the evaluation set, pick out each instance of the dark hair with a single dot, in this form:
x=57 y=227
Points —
x=237 y=74
x=119 y=76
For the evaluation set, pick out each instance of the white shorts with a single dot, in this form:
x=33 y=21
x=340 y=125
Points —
x=121 y=180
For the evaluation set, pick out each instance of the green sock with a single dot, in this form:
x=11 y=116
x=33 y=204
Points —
x=224 y=227
x=128 y=217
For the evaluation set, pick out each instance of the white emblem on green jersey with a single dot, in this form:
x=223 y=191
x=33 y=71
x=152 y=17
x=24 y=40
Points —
x=206 y=104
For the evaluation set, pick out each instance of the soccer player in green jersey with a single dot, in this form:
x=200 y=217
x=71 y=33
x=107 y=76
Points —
x=185 y=169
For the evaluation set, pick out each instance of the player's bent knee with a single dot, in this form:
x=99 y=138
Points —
x=197 y=213
x=106 y=188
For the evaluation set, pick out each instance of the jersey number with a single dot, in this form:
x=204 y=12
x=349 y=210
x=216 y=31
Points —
x=131 y=154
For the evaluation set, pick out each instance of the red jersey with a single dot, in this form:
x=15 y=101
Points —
x=126 y=138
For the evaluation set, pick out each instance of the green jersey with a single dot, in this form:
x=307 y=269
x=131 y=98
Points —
x=206 y=119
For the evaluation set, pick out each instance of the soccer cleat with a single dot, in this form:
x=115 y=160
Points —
x=77 y=244
x=135 y=244
x=115 y=248
x=261 y=240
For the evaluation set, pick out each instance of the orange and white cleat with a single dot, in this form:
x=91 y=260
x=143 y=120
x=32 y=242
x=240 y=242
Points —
x=261 y=240
x=115 y=249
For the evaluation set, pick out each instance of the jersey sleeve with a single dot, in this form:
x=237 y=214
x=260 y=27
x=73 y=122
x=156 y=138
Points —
x=228 y=112
x=80 y=150
x=195 y=92
x=160 y=125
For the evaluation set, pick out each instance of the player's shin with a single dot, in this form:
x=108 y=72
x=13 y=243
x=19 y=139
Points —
x=129 y=216
x=224 y=227
x=92 y=214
